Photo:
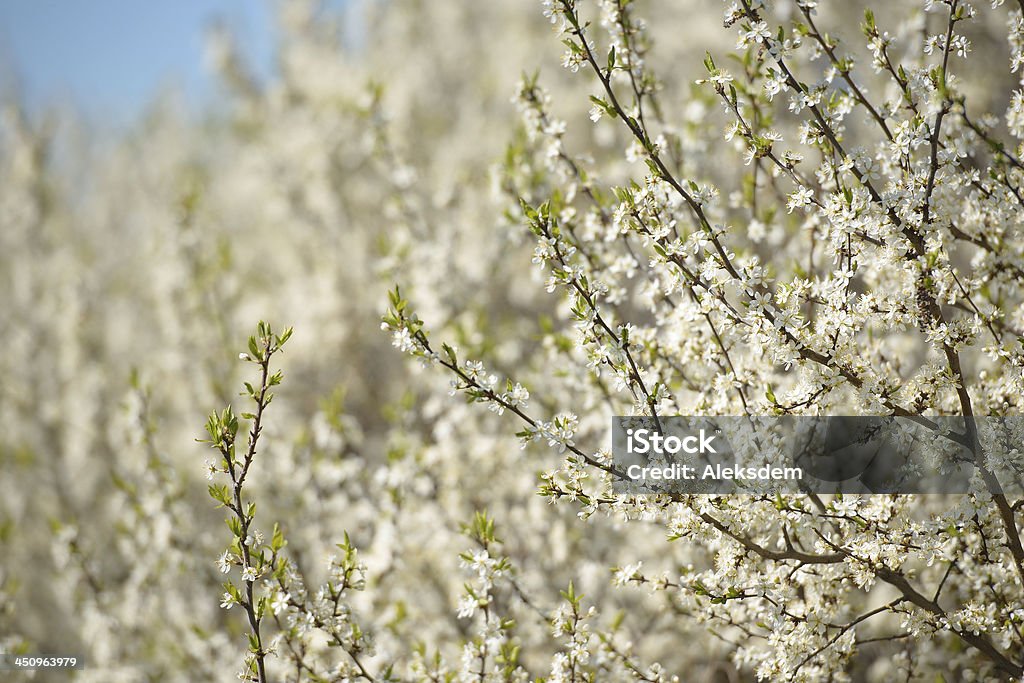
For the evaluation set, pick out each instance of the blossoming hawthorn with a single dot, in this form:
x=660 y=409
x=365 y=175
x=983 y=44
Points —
x=671 y=275
x=901 y=246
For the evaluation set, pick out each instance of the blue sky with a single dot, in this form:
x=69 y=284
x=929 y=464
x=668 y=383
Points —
x=110 y=57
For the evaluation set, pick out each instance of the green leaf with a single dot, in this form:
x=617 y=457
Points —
x=284 y=337
x=277 y=539
x=219 y=492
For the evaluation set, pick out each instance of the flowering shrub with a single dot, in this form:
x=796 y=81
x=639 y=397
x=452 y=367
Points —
x=866 y=262
x=850 y=245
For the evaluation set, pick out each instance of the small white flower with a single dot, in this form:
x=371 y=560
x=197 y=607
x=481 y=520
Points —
x=403 y=340
x=625 y=574
x=224 y=562
x=518 y=396
x=467 y=606
x=801 y=198
x=280 y=602
x=474 y=369
x=758 y=33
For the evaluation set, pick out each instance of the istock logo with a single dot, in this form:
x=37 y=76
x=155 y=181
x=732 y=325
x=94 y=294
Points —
x=643 y=441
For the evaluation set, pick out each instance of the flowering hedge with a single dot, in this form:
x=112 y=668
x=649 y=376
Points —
x=850 y=245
